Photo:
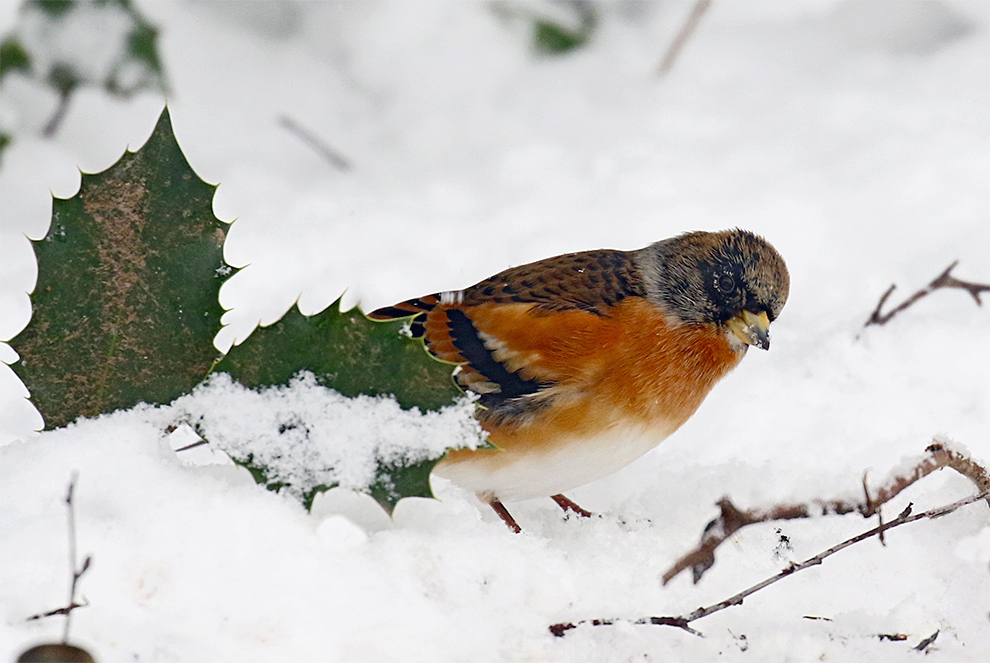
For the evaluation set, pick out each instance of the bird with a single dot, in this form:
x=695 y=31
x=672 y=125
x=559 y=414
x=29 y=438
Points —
x=583 y=362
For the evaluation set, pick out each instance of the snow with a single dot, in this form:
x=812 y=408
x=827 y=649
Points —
x=307 y=435
x=855 y=136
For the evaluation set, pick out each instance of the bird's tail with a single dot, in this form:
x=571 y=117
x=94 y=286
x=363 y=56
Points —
x=418 y=307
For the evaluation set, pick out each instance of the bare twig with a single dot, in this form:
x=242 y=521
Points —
x=76 y=571
x=924 y=644
x=732 y=519
x=58 y=611
x=889 y=637
x=892 y=637
x=336 y=160
x=193 y=445
x=700 y=7
x=683 y=622
x=870 y=506
x=55 y=121
x=944 y=280
x=967 y=467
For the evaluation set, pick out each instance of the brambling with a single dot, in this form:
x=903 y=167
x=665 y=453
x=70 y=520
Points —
x=586 y=361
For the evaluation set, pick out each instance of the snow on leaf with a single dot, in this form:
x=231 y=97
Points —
x=303 y=438
x=360 y=359
x=346 y=352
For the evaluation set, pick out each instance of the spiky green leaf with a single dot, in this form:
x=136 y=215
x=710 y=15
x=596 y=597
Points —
x=353 y=355
x=125 y=307
x=346 y=352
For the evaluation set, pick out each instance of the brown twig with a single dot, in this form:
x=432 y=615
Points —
x=77 y=572
x=334 y=157
x=969 y=468
x=58 y=611
x=700 y=7
x=192 y=445
x=732 y=519
x=944 y=280
x=683 y=622
x=55 y=121
x=870 y=506
x=892 y=637
x=924 y=644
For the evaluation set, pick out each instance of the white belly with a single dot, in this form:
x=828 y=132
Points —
x=511 y=476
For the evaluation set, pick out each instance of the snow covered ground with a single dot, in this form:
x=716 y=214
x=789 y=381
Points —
x=854 y=135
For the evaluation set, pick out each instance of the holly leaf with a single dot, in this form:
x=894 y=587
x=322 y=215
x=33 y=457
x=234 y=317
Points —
x=126 y=304
x=352 y=355
x=346 y=352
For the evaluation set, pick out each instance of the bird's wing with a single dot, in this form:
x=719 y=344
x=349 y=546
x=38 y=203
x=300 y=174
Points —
x=523 y=332
x=588 y=281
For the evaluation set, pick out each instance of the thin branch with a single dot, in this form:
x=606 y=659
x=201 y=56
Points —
x=72 y=556
x=58 y=611
x=55 y=121
x=870 y=506
x=892 y=637
x=76 y=571
x=969 y=468
x=924 y=644
x=192 y=445
x=732 y=519
x=944 y=280
x=683 y=622
x=700 y=7
x=334 y=157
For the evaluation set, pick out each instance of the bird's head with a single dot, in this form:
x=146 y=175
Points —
x=733 y=278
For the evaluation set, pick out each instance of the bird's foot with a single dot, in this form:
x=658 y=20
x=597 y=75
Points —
x=568 y=504
x=506 y=517
x=563 y=502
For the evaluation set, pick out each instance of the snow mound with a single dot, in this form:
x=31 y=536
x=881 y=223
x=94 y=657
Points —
x=306 y=435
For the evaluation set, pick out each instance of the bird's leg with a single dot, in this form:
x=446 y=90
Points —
x=506 y=517
x=568 y=504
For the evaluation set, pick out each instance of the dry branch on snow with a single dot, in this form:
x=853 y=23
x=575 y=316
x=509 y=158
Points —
x=63 y=651
x=938 y=455
x=676 y=46
x=942 y=281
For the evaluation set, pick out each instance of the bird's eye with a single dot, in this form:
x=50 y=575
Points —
x=725 y=283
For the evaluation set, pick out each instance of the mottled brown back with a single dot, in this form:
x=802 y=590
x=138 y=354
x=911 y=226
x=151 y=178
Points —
x=589 y=281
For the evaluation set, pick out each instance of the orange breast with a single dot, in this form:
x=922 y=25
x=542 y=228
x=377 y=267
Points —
x=631 y=369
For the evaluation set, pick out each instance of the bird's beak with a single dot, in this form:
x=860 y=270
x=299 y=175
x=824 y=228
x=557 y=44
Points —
x=751 y=328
